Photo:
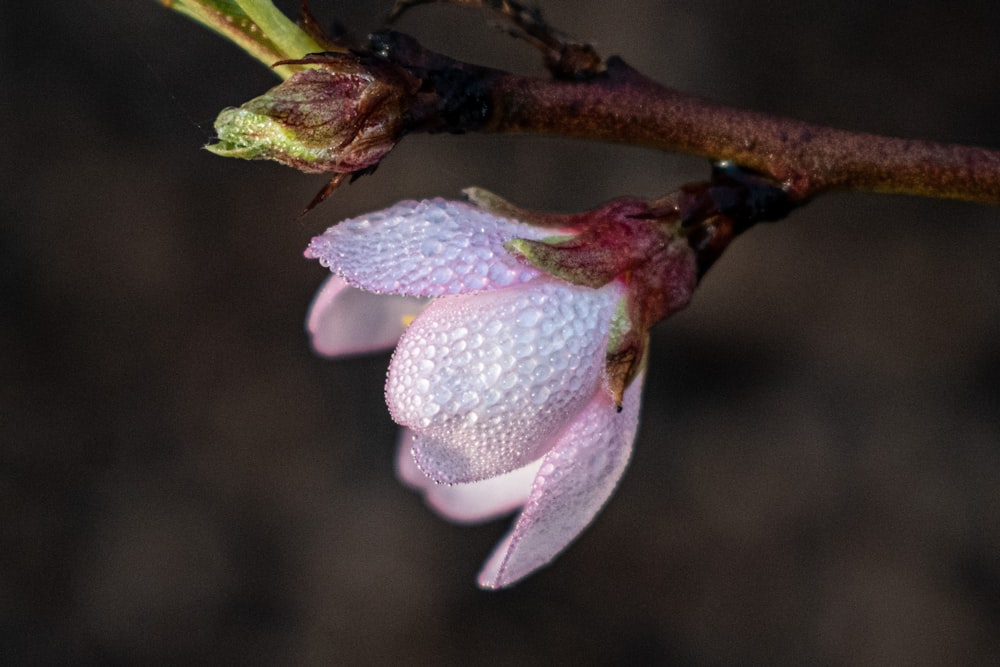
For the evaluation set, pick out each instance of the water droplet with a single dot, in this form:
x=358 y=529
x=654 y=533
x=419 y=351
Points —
x=431 y=248
x=441 y=394
x=492 y=396
x=523 y=350
x=540 y=395
x=524 y=336
x=441 y=275
x=474 y=282
x=529 y=317
x=492 y=373
x=542 y=373
x=501 y=275
x=468 y=399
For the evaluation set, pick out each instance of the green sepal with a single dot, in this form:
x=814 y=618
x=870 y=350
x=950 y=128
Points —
x=625 y=353
x=563 y=258
x=497 y=205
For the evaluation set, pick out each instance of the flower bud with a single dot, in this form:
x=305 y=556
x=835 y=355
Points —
x=342 y=117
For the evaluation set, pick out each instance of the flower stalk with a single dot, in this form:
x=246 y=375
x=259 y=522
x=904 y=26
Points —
x=256 y=26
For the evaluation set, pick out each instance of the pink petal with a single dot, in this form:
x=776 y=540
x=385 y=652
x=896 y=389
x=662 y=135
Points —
x=466 y=503
x=576 y=479
x=406 y=468
x=344 y=320
x=487 y=380
x=427 y=248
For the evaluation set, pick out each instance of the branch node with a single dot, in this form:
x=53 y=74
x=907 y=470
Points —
x=565 y=58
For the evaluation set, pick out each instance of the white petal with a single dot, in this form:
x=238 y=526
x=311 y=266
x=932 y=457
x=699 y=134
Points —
x=466 y=503
x=427 y=248
x=344 y=320
x=487 y=380
x=489 y=499
x=576 y=479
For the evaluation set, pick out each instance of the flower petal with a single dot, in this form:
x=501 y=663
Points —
x=406 y=468
x=466 y=503
x=576 y=479
x=427 y=248
x=487 y=380
x=344 y=320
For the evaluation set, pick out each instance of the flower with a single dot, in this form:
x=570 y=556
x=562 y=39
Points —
x=511 y=381
x=343 y=116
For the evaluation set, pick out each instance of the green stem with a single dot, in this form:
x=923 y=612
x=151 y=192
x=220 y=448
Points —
x=256 y=26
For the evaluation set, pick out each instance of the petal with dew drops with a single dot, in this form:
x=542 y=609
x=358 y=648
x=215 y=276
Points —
x=576 y=479
x=466 y=503
x=344 y=320
x=487 y=380
x=426 y=248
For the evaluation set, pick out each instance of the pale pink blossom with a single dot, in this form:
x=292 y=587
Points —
x=499 y=380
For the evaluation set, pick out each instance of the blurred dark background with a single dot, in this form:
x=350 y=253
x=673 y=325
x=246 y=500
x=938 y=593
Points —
x=817 y=476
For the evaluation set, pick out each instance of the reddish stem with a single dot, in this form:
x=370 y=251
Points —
x=624 y=106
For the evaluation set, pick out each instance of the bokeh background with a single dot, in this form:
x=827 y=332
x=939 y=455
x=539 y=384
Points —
x=817 y=475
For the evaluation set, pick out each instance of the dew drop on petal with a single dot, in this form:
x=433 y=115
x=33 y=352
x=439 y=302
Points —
x=523 y=350
x=492 y=373
x=524 y=336
x=431 y=248
x=540 y=395
x=442 y=394
x=441 y=275
x=468 y=399
x=529 y=317
x=541 y=373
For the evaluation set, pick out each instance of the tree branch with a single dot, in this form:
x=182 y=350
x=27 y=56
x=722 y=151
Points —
x=624 y=106
x=351 y=108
